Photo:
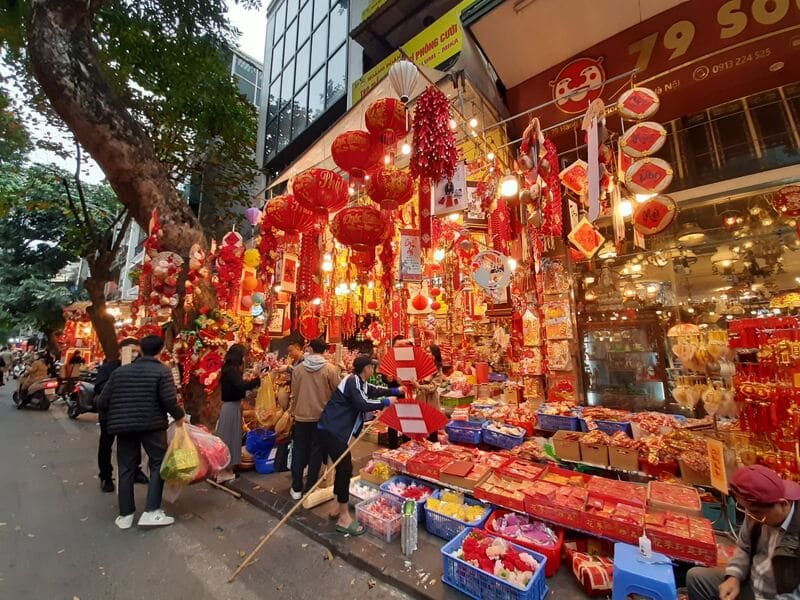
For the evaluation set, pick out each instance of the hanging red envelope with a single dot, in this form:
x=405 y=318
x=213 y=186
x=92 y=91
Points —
x=638 y=103
x=648 y=176
x=654 y=215
x=575 y=177
x=586 y=238
x=643 y=139
x=787 y=201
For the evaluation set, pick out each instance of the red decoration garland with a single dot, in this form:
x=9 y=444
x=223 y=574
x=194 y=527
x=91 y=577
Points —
x=387 y=258
x=435 y=153
x=552 y=204
x=230 y=262
x=309 y=264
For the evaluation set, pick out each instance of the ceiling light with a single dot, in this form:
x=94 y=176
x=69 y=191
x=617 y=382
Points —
x=589 y=296
x=473 y=122
x=509 y=186
x=690 y=233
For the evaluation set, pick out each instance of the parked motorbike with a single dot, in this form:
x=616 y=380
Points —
x=19 y=370
x=81 y=399
x=40 y=394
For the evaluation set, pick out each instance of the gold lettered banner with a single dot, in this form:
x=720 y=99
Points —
x=430 y=48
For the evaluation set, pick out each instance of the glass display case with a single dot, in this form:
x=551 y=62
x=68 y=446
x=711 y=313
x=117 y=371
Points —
x=624 y=363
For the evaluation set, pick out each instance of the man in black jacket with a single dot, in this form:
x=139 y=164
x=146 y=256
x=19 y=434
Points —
x=137 y=399
x=107 y=439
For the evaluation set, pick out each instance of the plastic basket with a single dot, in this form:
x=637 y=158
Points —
x=481 y=585
x=401 y=499
x=609 y=427
x=449 y=527
x=386 y=529
x=264 y=464
x=557 y=422
x=464 y=432
x=354 y=497
x=259 y=441
x=553 y=553
x=501 y=440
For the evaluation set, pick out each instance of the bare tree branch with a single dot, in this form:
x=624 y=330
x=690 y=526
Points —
x=89 y=222
x=121 y=235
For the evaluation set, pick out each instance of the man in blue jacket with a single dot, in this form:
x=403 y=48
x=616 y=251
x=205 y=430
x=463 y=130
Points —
x=342 y=419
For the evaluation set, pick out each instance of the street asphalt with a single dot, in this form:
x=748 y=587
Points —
x=58 y=539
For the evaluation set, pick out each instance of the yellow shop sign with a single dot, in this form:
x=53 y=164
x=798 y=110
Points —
x=430 y=48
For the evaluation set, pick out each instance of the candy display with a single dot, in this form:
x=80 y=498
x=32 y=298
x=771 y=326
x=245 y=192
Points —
x=455 y=508
x=525 y=529
x=412 y=491
x=494 y=555
x=363 y=491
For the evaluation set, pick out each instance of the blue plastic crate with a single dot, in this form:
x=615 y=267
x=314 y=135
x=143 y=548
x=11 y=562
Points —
x=464 y=432
x=609 y=427
x=448 y=527
x=501 y=440
x=558 y=422
x=409 y=481
x=481 y=585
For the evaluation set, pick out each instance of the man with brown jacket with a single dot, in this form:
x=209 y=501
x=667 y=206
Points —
x=313 y=382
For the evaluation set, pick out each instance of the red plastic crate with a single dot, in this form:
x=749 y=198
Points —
x=553 y=553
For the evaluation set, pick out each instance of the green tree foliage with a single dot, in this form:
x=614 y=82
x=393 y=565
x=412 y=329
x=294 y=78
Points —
x=14 y=141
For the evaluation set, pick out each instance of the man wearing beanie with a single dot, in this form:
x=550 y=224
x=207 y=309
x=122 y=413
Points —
x=342 y=419
x=767 y=559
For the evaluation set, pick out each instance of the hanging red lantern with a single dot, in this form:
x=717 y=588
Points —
x=356 y=152
x=320 y=191
x=372 y=305
x=419 y=302
x=435 y=291
x=390 y=187
x=364 y=261
x=286 y=213
x=435 y=306
x=361 y=228
x=386 y=120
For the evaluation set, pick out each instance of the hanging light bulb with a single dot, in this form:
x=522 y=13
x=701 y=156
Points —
x=454 y=216
x=453 y=124
x=438 y=255
x=278 y=289
x=490 y=156
x=509 y=186
x=353 y=285
x=371 y=284
x=473 y=122
x=316 y=301
x=387 y=159
x=512 y=264
x=351 y=190
x=626 y=208
x=406 y=149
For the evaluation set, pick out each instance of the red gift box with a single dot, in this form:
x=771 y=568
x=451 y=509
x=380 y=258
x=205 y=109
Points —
x=521 y=469
x=501 y=491
x=683 y=537
x=619 y=491
x=616 y=520
x=428 y=464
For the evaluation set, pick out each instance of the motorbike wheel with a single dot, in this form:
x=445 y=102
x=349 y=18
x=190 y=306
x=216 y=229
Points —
x=40 y=401
x=73 y=411
x=17 y=400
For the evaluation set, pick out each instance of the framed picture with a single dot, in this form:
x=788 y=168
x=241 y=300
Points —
x=449 y=195
x=499 y=304
x=475 y=217
x=277 y=319
x=289 y=272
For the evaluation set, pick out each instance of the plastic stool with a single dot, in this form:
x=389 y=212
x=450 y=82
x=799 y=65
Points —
x=651 y=578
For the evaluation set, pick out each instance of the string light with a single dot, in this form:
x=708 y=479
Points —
x=406 y=149
x=490 y=156
x=626 y=208
x=438 y=255
x=278 y=289
x=453 y=124
x=509 y=186
x=512 y=264
x=455 y=216
x=316 y=301
x=387 y=159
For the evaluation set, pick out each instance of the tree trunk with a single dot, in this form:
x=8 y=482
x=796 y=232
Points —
x=63 y=58
x=103 y=323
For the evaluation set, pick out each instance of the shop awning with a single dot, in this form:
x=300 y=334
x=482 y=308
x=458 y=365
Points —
x=522 y=38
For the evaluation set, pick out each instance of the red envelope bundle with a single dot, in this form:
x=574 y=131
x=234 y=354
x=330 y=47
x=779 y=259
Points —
x=619 y=491
x=521 y=469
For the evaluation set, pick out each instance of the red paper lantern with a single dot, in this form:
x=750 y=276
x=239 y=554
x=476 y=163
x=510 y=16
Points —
x=435 y=291
x=386 y=120
x=390 y=187
x=364 y=261
x=435 y=306
x=356 y=152
x=372 y=305
x=320 y=191
x=361 y=228
x=419 y=302
x=249 y=283
x=286 y=213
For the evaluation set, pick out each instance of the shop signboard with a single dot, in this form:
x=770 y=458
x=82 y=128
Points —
x=371 y=9
x=430 y=48
x=695 y=55
x=716 y=465
x=410 y=255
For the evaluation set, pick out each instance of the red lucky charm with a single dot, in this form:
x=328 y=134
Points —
x=386 y=119
x=356 y=152
x=321 y=191
x=286 y=213
x=586 y=238
x=360 y=227
x=648 y=176
x=435 y=305
x=638 y=103
x=435 y=291
x=654 y=215
x=230 y=263
x=434 y=153
x=387 y=257
x=787 y=201
x=372 y=305
x=309 y=267
x=643 y=139
x=310 y=324
x=390 y=187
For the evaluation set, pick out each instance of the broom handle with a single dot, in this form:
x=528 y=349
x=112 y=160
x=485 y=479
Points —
x=299 y=503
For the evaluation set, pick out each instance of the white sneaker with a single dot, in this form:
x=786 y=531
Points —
x=295 y=495
x=125 y=522
x=155 y=518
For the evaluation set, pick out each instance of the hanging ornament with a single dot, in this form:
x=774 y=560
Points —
x=500 y=226
x=252 y=258
x=388 y=269
x=197 y=272
x=309 y=265
x=552 y=204
x=638 y=103
x=390 y=187
x=360 y=227
x=286 y=214
x=230 y=262
x=648 y=176
x=491 y=270
x=386 y=120
x=434 y=153
x=310 y=324
x=320 y=190
x=420 y=302
x=654 y=215
x=403 y=77
x=253 y=215
x=356 y=152
x=643 y=139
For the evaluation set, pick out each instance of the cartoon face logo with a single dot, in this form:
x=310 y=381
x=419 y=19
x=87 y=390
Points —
x=580 y=74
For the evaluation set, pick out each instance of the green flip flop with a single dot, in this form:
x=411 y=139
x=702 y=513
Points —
x=354 y=529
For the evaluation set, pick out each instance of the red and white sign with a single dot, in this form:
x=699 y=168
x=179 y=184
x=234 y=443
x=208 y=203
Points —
x=638 y=103
x=654 y=215
x=648 y=176
x=410 y=255
x=578 y=84
x=643 y=139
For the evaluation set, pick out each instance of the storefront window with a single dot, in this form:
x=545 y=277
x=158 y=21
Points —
x=338 y=24
x=320 y=11
x=337 y=76
x=772 y=125
x=301 y=73
x=316 y=96
x=319 y=46
x=304 y=22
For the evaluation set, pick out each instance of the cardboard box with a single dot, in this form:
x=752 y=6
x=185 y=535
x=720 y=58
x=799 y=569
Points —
x=374 y=478
x=594 y=454
x=465 y=474
x=626 y=459
x=692 y=477
x=567 y=445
